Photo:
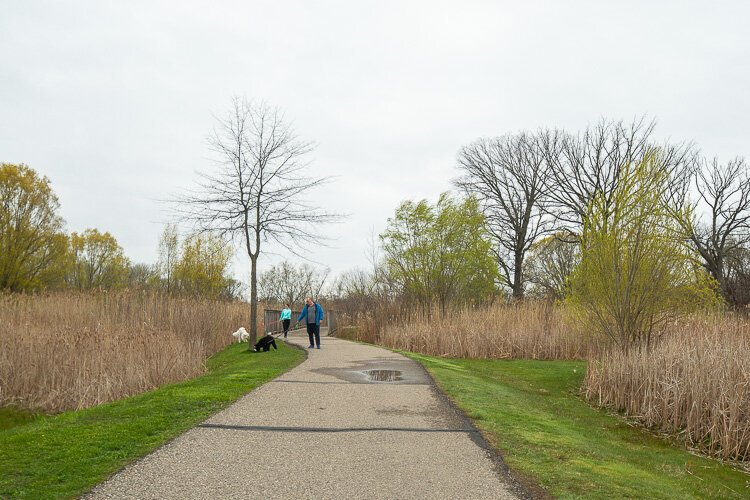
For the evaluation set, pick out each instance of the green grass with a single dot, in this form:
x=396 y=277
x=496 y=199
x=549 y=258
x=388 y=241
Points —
x=67 y=454
x=12 y=417
x=531 y=411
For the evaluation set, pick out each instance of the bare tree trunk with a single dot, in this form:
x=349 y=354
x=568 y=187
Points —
x=254 y=272
x=253 y=299
x=517 y=284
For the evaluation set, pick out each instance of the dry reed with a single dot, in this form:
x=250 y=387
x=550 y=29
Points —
x=531 y=330
x=695 y=382
x=71 y=351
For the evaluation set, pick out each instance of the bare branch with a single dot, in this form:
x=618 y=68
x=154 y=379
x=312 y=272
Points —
x=507 y=175
x=257 y=190
x=589 y=164
x=718 y=222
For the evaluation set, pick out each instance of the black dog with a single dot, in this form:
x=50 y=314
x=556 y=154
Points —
x=265 y=343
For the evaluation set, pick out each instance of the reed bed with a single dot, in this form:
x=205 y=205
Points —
x=70 y=351
x=694 y=383
x=529 y=330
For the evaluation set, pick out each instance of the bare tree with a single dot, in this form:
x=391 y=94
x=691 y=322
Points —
x=313 y=279
x=257 y=191
x=507 y=175
x=169 y=250
x=591 y=163
x=355 y=283
x=290 y=284
x=356 y=290
x=717 y=223
x=353 y=291
x=281 y=283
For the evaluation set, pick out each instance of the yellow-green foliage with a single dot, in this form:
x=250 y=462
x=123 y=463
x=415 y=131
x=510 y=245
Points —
x=441 y=253
x=98 y=261
x=32 y=243
x=549 y=264
x=635 y=271
x=203 y=265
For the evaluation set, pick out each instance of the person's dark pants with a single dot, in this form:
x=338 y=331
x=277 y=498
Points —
x=286 y=322
x=313 y=331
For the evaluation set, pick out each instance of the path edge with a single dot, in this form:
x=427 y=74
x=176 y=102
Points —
x=524 y=487
x=88 y=493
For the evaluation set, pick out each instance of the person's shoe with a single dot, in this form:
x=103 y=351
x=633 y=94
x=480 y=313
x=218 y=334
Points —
x=311 y=346
x=318 y=347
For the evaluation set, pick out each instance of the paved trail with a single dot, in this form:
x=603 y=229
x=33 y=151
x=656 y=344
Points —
x=324 y=430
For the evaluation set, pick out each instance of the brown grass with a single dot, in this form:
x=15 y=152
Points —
x=70 y=351
x=695 y=382
x=531 y=330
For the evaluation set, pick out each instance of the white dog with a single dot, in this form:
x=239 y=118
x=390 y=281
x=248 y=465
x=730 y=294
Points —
x=241 y=335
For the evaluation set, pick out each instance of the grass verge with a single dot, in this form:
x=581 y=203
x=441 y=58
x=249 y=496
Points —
x=65 y=455
x=12 y=417
x=531 y=412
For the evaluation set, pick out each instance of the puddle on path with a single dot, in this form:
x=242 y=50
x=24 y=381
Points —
x=383 y=375
x=379 y=370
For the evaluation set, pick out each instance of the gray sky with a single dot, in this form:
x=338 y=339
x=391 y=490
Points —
x=113 y=100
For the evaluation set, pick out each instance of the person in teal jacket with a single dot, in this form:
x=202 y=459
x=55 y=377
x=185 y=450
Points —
x=286 y=318
x=313 y=314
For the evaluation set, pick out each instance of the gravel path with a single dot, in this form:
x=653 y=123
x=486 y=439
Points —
x=325 y=430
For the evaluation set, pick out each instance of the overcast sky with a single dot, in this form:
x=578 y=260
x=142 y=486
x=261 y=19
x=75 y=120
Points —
x=113 y=100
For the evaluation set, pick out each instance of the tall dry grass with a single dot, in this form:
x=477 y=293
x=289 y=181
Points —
x=70 y=350
x=695 y=382
x=530 y=330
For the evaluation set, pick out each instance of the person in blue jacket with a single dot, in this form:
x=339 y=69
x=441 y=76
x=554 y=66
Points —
x=313 y=314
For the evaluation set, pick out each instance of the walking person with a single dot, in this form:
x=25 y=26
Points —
x=313 y=314
x=286 y=318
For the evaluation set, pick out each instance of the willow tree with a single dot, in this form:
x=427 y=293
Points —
x=636 y=272
x=440 y=253
x=202 y=267
x=257 y=191
x=98 y=261
x=33 y=245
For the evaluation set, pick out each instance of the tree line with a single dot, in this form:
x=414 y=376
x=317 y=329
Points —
x=36 y=252
x=286 y=283
x=532 y=185
x=546 y=213
x=628 y=229
x=257 y=191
